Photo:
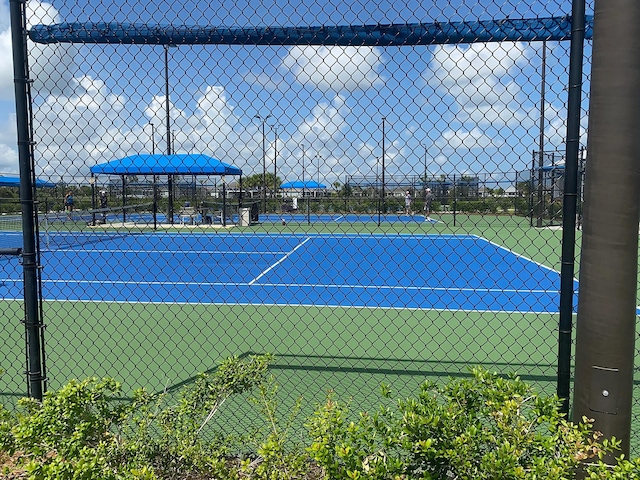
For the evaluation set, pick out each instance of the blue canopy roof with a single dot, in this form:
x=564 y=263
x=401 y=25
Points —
x=158 y=164
x=299 y=184
x=15 y=182
x=548 y=168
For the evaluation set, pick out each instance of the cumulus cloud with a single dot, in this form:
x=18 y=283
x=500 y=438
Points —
x=484 y=85
x=318 y=142
x=76 y=130
x=472 y=139
x=50 y=66
x=6 y=74
x=336 y=69
x=481 y=79
x=8 y=145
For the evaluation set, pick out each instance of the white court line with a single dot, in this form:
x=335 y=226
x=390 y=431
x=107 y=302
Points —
x=279 y=261
x=338 y=218
x=172 y=252
x=292 y=285
x=517 y=254
x=336 y=307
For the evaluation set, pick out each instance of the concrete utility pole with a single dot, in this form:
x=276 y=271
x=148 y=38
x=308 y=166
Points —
x=605 y=335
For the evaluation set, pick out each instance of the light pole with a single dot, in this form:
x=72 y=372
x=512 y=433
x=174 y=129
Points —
x=425 y=173
x=275 y=159
x=153 y=138
x=425 y=163
x=166 y=97
x=224 y=201
x=155 y=190
x=303 y=185
x=168 y=121
x=264 y=162
x=319 y=157
x=541 y=144
x=383 y=199
x=377 y=192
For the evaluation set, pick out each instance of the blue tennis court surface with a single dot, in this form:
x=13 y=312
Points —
x=301 y=217
x=418 y=271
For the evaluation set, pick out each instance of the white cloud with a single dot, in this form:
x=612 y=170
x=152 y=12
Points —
x=50 y=66
x=470 y=140
x=6 y=74
x=8 y=146
x=73 y=132
x=481 y=80
x=336 y=69
x=322 y=138
x=4 y=15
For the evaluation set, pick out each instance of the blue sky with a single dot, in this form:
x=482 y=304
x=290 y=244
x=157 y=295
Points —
x=465 y=109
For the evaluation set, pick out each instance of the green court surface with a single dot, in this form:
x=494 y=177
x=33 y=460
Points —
x=349 y=351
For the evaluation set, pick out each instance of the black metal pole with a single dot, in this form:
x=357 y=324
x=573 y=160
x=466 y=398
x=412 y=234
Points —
x=455 y=197
x=275 y=159
x=264 y=162
x=384 y=203
x=32 y=318
x=542 y=122
x=541 y=203
x=168 y=121
x=531 y=185
x=425 y=178
x=377 y=190
x=224 y=202
x=303 y=188
x=153 y=138
x=124 y=200
x=155 y=202
x=264 y=169
x=93 y=200
x=569 y=204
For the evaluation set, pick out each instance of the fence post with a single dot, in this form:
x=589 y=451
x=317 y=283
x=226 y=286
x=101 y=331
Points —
x=569 y=205
x=33 y=321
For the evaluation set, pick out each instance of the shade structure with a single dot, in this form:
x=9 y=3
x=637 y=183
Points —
x=15 y=182
x=548 y=168
x=298 y=184
x=158 y=164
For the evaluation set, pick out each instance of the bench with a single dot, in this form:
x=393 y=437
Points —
x=187 y=214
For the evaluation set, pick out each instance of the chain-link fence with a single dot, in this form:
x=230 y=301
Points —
x=356 y=188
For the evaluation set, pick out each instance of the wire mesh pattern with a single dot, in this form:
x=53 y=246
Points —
x=380 y=198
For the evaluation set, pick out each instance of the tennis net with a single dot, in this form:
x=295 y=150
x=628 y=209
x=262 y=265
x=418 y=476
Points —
x=68 y=229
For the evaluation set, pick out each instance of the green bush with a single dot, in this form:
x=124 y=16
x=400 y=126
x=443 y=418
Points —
x=78 y=433
x=485 y=427
x=482 y=427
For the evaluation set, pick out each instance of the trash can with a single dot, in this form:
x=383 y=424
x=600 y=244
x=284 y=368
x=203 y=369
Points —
x=245 y=217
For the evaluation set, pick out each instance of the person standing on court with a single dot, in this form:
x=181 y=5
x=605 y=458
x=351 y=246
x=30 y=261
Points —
x=407 y=203
x=68 y=201
x=428 y=198
x=103 y=204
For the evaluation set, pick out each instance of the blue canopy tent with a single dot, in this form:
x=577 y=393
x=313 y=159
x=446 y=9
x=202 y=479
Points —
x=160 y=164
x=15 y=182
x=300 y=185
